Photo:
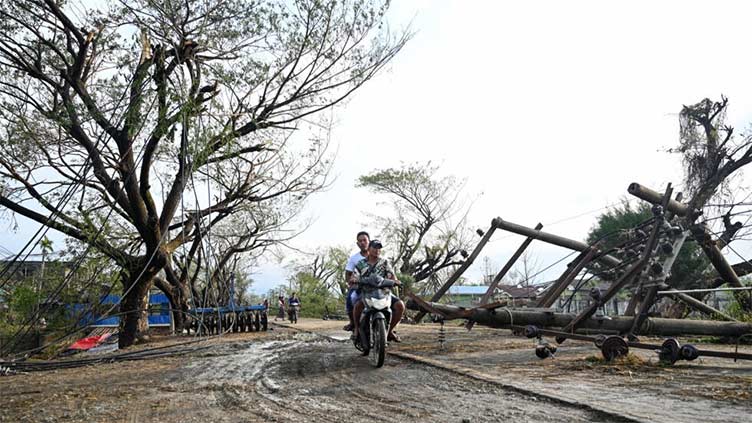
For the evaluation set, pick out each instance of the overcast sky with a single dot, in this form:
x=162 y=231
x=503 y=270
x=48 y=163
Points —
x=548 y=109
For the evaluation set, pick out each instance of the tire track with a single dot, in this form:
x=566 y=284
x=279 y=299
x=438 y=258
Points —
x=603 y=412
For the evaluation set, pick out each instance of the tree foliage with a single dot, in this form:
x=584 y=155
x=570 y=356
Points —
x=315 y=296
x=615 y=227
x=711 y=151
x=423 y=218
x=108 y=117
x=327 y=267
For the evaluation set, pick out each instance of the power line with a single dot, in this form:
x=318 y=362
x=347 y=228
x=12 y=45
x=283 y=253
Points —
x=35 y=317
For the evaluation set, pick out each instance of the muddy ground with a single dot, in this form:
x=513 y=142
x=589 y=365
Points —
x=310 y=373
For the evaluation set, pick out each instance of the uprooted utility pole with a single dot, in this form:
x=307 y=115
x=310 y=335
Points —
x=504 y=318
x=702 y=235
x=639 y=265
x=644 y=267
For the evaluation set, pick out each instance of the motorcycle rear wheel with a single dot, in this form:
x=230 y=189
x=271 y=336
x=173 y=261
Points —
x=378 y=335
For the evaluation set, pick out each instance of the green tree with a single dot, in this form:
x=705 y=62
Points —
x=612 y=227
x=329 y=268
x=423 y=218
x=23 y=302
x=615 y=227
x=315 y=296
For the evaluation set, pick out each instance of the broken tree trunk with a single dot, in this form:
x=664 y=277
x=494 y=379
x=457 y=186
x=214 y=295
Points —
x=505 y=317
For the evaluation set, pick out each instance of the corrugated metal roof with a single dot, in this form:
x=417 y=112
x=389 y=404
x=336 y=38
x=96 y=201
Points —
x=467 y=290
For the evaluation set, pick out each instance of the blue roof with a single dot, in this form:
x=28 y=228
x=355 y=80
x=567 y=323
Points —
x=467 y=290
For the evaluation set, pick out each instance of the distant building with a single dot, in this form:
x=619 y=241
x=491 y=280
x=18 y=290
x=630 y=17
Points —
x=465 y=295
x=519 y=292
x=31 y=266
x=470 y=295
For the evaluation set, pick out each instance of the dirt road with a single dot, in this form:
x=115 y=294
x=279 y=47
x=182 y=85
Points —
x=288 y=375
x=319 y=380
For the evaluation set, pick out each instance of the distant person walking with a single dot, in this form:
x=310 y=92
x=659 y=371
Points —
x=281 y=310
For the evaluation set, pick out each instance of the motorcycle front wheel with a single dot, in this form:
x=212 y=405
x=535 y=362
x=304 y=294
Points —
x=378 y=336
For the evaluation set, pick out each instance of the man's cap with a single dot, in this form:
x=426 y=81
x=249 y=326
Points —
x=375 y=244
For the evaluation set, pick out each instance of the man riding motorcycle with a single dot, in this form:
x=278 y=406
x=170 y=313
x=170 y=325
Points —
x=293 y=307
x=373 y=264
x=362 y=241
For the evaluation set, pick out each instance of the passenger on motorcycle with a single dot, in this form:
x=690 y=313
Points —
x=362 y=239
x=373 y=264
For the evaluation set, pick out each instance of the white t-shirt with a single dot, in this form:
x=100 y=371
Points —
x=354 y=259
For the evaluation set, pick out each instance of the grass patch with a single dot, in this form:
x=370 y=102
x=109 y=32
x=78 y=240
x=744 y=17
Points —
x=630 y=359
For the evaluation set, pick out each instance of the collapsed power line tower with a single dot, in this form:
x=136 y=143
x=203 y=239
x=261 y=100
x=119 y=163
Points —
x=640 y=266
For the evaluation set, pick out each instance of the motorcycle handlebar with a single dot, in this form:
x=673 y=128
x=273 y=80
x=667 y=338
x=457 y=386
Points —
x=378 y=282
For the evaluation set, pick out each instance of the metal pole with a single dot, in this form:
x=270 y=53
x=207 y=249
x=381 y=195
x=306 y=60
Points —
x=650 y=297
x=499 y=276
x=460 y=270
x=566 y=279
x=647 y=194
x=630 y=274
x=508 y=266
x=696 y=304
x=690 y=291
x=551 y=239
x=702 y=235
x=505 y=317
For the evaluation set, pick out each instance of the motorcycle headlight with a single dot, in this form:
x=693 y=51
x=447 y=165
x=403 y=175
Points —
x=378 y=303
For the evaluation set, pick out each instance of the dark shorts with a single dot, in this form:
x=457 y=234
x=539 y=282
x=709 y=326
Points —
x=395 y=299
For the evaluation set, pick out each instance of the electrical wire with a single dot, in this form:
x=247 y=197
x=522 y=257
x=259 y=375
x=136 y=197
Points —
x=35 y=317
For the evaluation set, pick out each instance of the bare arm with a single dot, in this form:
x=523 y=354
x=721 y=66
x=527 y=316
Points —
x=390 y=274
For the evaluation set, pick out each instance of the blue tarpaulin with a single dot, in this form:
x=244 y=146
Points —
x=159 y=311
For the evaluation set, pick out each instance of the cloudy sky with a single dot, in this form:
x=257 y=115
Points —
x=548 y=109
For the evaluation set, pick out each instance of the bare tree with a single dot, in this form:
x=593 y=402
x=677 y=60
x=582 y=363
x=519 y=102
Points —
x=489 y=269
x=528 y=269
x=327 y=267
x=262 y=201
x=147 y=85
x=712 y=154
x=424 y=218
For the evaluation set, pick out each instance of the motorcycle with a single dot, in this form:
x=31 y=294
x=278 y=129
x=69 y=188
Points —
x=377 y=314
x=292 y=312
